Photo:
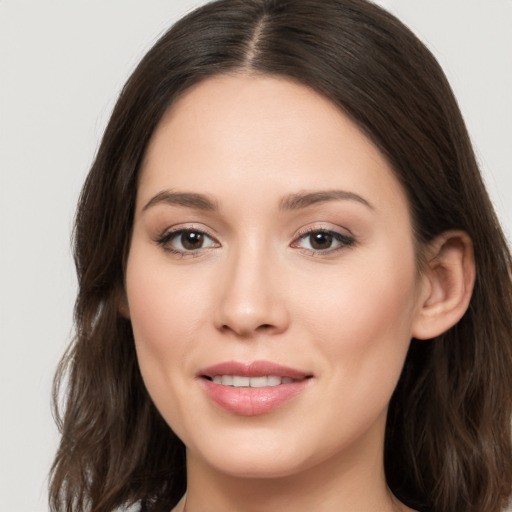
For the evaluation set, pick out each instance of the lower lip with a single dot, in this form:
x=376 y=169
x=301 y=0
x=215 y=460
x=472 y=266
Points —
x=247 y=401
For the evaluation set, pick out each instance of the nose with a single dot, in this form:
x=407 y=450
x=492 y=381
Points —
x=252 y=296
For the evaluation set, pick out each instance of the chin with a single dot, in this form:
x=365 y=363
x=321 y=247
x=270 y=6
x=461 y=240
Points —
x=256 y=466
x=260 y=454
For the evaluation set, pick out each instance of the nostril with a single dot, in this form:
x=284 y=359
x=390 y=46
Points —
x=248 y=332
x=265 y=328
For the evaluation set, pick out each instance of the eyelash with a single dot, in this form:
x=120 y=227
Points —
x=166 y=239
x=344 y=241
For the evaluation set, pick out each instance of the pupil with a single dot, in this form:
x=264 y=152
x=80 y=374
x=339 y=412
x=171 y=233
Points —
x=192 y=240
x=321 y=241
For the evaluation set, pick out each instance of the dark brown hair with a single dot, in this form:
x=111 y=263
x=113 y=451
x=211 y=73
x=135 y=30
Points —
x=448 y=438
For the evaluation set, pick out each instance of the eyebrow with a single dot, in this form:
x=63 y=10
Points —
x=296 y=201
x=186 y=199
x=305 y=199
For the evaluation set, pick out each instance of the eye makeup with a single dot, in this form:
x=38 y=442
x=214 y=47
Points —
x=322 y=241
x=193 y=241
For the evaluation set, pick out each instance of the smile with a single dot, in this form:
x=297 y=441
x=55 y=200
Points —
x=250 y=389
x=239 y=381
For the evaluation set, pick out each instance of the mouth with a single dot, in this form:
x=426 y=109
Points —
x=250 y=389
x=239 y=381
x=257 y=374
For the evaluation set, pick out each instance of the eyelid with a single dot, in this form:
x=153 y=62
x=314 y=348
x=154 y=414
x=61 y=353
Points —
x=164 y=238
x=325 y=227
x=345 y=240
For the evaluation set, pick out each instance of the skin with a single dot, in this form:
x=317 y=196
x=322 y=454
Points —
x=256 y=290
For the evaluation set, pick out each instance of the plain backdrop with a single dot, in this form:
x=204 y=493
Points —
x=62 y=64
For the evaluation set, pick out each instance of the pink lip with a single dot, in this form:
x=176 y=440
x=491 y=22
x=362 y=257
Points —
x=254 y=369
x=246 y=401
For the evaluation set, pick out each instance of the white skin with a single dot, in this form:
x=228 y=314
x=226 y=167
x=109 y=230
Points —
x=258 y=288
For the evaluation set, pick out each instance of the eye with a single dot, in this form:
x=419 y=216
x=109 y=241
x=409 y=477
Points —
x=323 y=241
x=183 y=241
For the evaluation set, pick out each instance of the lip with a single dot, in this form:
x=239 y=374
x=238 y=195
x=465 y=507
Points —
x=253 y=369
x=247 y=401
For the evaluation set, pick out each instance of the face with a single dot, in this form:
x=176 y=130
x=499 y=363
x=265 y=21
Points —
x=271 y=280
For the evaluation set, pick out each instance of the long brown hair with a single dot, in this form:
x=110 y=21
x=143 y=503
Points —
x=448 y=437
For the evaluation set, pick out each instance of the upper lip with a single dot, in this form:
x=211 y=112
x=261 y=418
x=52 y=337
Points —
x=253 y=369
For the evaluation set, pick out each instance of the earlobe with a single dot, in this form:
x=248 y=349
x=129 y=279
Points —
x=448 y=281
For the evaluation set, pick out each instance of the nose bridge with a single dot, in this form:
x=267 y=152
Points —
x=249 y=299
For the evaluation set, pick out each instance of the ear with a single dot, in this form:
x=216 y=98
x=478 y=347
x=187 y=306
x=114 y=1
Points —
x=447 y=284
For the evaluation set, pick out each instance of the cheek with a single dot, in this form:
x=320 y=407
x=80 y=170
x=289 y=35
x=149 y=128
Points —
x=153 y=310
x=166 y=309
x=362 y=322
x=165 y=304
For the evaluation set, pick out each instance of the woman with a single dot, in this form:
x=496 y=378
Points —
x=294 y=292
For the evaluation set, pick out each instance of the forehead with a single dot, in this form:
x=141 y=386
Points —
x=239 y=134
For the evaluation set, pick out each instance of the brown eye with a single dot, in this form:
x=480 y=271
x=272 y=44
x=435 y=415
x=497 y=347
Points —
x=323 y=241
x=183 y=241
x=320 y=241
x=192 y=240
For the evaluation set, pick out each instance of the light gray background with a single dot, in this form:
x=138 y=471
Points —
x=62 y=64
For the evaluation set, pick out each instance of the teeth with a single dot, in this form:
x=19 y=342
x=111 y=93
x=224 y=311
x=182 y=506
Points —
x=274 y=381
x=259 y=382
x=238 y=381
x=227 y=380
